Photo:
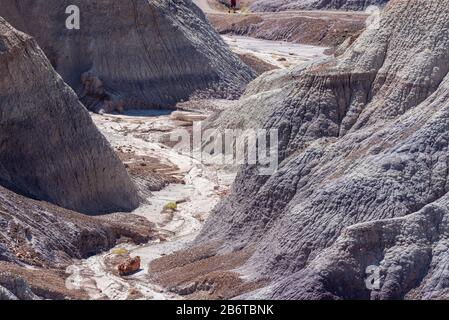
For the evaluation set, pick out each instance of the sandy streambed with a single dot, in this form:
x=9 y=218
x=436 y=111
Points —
x=278 y=53
x=198 y=188
x=201 y=189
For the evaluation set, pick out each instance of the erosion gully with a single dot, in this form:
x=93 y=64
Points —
x=203 y=186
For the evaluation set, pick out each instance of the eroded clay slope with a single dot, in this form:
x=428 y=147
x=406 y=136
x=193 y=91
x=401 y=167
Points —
x=363 y=137
x=283 y=5
x=132 y=54
x=44 y=235
x=328 y=29
x=49 y=147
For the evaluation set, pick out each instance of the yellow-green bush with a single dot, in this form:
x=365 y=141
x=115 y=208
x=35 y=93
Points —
x=120 y=251
x=171 y=206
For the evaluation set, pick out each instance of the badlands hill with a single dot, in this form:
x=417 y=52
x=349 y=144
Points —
x=50 y=151
x=363 y=174
x=283 y=5
x=49 y=147
x=132 y=54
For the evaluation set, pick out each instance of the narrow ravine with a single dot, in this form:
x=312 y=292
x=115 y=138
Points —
x=199 y=189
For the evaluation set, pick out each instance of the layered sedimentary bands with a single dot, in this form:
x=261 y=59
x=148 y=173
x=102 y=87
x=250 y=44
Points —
x=363 y=178
x=47 y=237
x=44 y=235
x=49 y=147
x=283 y=5
x=51 y=151
x=132 y=54
x=309 y=27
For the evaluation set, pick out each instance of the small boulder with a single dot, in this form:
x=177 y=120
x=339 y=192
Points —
x=130 y=266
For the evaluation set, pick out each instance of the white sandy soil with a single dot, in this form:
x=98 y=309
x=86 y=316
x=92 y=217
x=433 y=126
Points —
x=278 y=53
x=202 y=190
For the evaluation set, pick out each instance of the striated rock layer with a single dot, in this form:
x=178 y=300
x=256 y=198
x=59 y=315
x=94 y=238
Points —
x=49 y=147
x=363 y=140
x=15 y=288
x=327 y=29
x=47 y=237
x=132 y=54
x=283 y=5
x=44 y=235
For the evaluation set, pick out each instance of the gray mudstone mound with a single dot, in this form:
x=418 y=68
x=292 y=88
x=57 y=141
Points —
x=41 y=234
x=132 y=54
x=283 y=5
x=362 y=181
x=5 y=294
x=49 y=147
x=15 y=288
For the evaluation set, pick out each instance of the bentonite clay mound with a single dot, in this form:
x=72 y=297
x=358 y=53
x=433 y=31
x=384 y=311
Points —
x=363 y=159
x=284 y=5
x=49 y=147
x=132 y=54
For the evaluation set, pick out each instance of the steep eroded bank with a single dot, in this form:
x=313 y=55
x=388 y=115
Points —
x=363 y=137
x=49 y=147
x=132 y=54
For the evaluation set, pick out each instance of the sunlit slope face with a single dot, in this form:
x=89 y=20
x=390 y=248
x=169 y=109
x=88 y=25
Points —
x=131 y=54
x=362 y=137
x=49 y=148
